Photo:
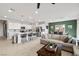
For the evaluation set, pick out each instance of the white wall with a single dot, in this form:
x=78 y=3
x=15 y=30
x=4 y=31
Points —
x=1 y=29
x=78 y=28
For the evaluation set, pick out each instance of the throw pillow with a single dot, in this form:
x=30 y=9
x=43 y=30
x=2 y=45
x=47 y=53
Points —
x=66 y=39
x=70 y=41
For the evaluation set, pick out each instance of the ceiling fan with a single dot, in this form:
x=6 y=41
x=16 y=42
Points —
x=38 y=5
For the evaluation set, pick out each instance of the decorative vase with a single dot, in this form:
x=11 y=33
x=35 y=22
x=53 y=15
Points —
x=50 y=46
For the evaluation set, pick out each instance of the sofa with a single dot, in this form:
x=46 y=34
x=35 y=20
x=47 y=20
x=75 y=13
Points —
x=60 y=39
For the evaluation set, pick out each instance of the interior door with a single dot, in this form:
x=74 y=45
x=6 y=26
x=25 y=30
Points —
x=5 y=28
x=1 y=29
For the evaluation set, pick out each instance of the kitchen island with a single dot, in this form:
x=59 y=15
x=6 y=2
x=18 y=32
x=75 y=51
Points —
x=22 y=37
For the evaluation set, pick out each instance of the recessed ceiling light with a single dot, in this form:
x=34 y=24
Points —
x=36 y=12
x=5 y=16
x=11 y=10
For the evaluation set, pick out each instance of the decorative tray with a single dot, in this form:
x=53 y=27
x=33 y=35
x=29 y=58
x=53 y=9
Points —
x=51 y=48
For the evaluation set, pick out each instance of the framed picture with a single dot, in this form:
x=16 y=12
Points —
x=51 y=27
x=60 y=28
x=70 y=26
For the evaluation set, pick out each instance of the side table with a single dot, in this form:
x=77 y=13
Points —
x=76 y=40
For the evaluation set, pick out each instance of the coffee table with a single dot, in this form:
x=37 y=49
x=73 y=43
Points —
x=44 y=52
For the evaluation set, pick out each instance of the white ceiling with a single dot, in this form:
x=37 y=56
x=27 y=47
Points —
x=46 y=12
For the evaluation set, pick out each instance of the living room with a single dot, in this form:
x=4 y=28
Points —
x=39 y=29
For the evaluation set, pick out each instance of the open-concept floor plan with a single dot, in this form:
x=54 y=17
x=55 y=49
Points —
x=39 y=29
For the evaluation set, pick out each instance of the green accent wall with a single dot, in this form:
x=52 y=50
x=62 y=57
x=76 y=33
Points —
x=71 y=31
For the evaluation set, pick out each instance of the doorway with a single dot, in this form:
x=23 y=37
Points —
x=3 y=28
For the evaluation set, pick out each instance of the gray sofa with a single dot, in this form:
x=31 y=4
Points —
x=60 y=39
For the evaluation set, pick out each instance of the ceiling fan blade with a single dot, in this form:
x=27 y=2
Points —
x=38 y=5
